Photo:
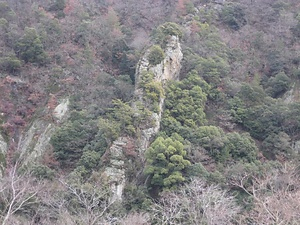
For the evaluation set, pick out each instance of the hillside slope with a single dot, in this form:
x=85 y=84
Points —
x=149 y=112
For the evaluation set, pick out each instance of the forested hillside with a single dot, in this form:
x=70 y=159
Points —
x=149 y=112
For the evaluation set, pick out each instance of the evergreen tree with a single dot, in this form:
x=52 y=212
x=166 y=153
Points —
x=30 y=48
x=166 y=161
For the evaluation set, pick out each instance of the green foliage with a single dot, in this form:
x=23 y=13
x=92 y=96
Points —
x=278 y=85
x=82 y=33
x=197 y=170
x=70 y=139
x=58 y=6
x=5 y=11
x=291 y=124
x=123 y=114
x=263 y=116
x=109 y=130
x=135 y=198
x=184 y=105
x=214 y=140
x=212 y=69
x=124 y=57
x=233 y=16
x=10 y=63
x=252 y=94
x=43 y=172
x=2 y=162
x=89 y=160
x=277 y=144
x=3 y=24
x=156 y=55
x=166 y=161
x=145 y=78
x=237 y=109
x=263 y=120
x=276 y=61
x=223 y=147
x=30 y=48
x=241 y=146
x=164 y=31
x=153 y=90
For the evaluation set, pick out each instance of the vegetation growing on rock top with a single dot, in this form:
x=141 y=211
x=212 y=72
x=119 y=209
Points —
x=156 y=55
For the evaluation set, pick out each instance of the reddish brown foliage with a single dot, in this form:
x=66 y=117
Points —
x=18 y=121
x=52 y=102
x=34 y=98
x=181 y=8
x=70 y=6
x=49 y=159
x=129 y=149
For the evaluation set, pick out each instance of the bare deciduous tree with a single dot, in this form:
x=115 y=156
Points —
x=136 y=219
x=276 y=196
x=17 y=193
x=89 y=204
x=196 y=203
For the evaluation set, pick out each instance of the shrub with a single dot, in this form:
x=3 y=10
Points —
x=241 y=146
x=10 y=63
x=5 y=11
x=233 y=16
x=156 y=55
x=166 y=160
x=212 y=69
x=30 y=48
x=70 y=139
x=278 y=85
x=277 y=144
x=164 y=31
x=153 y=90
x=213 y=139
x=43 y=172
x=89 y=159
x=184 y=105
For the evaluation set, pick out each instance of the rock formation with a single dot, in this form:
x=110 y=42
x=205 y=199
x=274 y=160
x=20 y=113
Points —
x=3 y=150
x=168 y=69
x=37 y=139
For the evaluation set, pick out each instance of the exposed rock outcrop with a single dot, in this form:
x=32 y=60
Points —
x=292 y=95
x=3 y=150
x=168 y=69
x=37 y=139
x=61 y=110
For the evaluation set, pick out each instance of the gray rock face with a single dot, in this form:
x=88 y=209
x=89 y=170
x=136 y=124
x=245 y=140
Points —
x=36 y=140
x=168 y=69
x=115 y=172
x=3 y=150
x=296 y=147
x=61 y=110
x=3 y=145
x=291 y=95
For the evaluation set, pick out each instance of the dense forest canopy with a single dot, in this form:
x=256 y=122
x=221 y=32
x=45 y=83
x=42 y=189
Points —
x=75 y=107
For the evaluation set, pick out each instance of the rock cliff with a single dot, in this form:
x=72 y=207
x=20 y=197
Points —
x=168 y=69
x=36 y=140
